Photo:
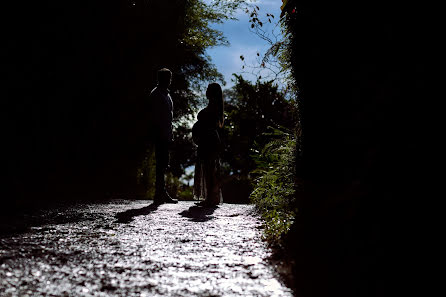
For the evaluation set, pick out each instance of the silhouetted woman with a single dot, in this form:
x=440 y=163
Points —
x=205 y=133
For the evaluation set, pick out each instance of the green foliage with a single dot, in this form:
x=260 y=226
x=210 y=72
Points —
x=186 y=35
x=176 y=188
x=277 y=58
x=199 y=34
x=250 y=109
x=195 y=37
x=278 y=151
x=146 y=174
x=275 y=183
x=182 y=151
x=186 y=193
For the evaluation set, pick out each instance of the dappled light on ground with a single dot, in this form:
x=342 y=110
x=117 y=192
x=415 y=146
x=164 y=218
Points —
x=136 y=249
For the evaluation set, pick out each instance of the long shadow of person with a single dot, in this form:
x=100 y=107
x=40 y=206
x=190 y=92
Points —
x=199 y=213
x=128 y=215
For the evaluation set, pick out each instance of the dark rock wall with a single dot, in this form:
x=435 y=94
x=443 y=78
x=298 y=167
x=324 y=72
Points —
x=361 y=70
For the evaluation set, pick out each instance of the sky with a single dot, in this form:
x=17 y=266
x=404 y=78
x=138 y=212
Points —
x=242 y=41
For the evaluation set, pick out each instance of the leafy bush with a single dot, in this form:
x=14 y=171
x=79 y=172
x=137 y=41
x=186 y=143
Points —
x=146 y=173
x=275 y=183
x=185 y=193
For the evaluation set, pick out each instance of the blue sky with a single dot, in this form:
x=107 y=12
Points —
x=242 y=41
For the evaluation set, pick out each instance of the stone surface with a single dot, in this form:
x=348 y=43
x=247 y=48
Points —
x=132 y=248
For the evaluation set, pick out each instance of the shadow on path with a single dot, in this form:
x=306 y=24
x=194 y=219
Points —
x=128 y=215
x=199 y=213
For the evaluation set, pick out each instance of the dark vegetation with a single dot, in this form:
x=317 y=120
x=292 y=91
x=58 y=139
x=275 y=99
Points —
x=332 y=186
x=253 y=112
x=360 y=71
x=73 y=123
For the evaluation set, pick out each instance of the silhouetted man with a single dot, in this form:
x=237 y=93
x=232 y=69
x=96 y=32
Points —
x=160 y=117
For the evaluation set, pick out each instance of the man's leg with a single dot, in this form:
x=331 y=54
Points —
x=162 y=161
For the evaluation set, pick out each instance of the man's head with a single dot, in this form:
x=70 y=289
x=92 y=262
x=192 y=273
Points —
x=164 y=77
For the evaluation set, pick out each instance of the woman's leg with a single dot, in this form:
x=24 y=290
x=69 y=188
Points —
x=213 y=182
x=198 y=181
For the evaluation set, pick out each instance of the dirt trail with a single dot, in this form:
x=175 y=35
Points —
x=128 y=248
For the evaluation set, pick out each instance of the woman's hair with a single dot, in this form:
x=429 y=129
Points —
x=215 y=96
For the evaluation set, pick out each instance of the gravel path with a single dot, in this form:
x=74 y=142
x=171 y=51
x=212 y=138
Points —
x=130 y=248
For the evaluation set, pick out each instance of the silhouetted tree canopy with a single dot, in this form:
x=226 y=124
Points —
x=77 y=73
x=251 y=109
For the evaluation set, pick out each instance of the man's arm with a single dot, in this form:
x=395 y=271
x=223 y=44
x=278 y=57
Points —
x=160 y=116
